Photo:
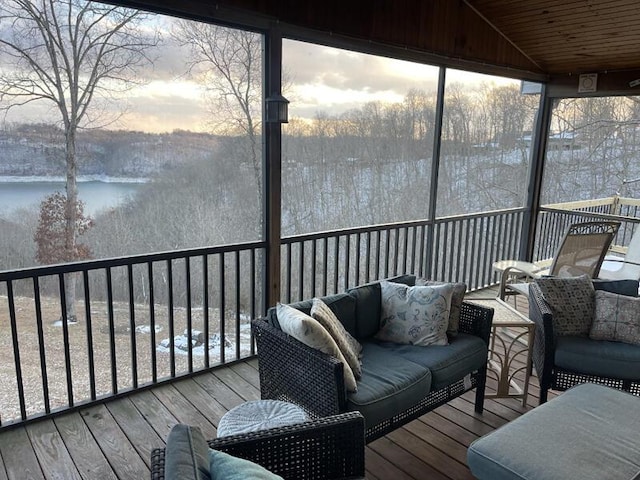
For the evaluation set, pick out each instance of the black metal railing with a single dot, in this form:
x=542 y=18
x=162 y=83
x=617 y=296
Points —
x=146 y=319
x=459 y=248
x=139 y=320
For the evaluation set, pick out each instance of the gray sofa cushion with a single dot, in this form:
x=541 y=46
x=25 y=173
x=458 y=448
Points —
x=448 y=363
x=607 y=359
x=342 y=304
x=367 y=300
x=389 y=384
x=186 y=454
x=590 y=432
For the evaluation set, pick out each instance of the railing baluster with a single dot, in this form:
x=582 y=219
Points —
x=358 y=254
x=132 y=328
x=314 y=258
x=237 y=267
x=289 y=274
x=16 y=349
x=205 y=308
x=187 y=273
x=325 y=265
x=172 y=330
x=222 y=307
x=112 y=337
x=252 y=294
x=41 y=347
x=301 y=269
x=89 y=325
x=65 y=337
x=152 y=324
x=347 y=260
x=368 y=267
x=336 y=263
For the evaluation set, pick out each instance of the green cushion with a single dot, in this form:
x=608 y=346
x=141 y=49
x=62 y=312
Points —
x=389 y=384
x=447 y=363
x=590 y=432
x=602 y=358
x=186 y=454
x=367 y=301
x=341 y=304
x=227 y=467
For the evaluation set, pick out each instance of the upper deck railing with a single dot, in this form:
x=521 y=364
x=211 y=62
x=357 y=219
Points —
x=150 y=318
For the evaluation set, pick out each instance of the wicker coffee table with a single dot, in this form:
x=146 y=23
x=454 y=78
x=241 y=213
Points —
x=259 y=415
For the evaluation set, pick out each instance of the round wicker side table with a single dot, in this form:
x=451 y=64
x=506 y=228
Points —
x=259 y=415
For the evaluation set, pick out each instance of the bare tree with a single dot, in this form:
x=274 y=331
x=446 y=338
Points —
x=71 y=55
x=229 y=62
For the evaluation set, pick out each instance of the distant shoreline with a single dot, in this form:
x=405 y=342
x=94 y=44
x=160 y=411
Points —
x=80 y=179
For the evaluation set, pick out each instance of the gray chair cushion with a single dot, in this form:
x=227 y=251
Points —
x=448 y=363
x=341 y=304
x=186 y=454
x=389 y=384
x=602 y=358
x=590 y=432
x=367 y=299
x=621 y=287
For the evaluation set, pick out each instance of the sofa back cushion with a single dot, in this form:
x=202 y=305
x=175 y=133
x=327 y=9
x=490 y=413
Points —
x=368 y=303
x=341 y=304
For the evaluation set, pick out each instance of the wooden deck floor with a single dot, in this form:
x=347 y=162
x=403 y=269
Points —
x=113 y=440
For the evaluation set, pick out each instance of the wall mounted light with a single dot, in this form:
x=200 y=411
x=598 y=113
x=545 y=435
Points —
x=277 y=109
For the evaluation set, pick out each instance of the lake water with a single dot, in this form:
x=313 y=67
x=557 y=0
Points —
x=97 y=195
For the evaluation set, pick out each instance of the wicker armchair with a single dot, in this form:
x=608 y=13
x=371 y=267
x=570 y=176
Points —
x=326 y=448
x=551 y=375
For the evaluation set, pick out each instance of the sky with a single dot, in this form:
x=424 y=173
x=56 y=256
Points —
x=321 y=79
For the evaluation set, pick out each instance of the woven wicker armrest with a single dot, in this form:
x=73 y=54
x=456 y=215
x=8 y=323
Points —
x=292 y=371
x=325 y=448
x=476 y=320
x=544 y=340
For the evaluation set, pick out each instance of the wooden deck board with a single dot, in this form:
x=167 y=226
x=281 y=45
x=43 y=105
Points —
x=113 y=440
x=51 y=452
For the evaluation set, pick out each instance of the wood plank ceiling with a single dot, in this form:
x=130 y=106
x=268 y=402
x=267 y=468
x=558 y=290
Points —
x=528 y=39
x=569 y=36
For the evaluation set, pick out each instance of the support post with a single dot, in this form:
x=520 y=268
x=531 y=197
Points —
x=272 y=164
x=536 y=173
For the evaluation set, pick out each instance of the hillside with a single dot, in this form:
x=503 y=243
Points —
x=38 y=150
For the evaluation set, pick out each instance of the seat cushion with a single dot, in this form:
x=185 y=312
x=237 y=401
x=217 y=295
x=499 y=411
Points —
x=598 y=357
x=448 y=363
x=389 y=384
x=186 y=454
x=589 y=432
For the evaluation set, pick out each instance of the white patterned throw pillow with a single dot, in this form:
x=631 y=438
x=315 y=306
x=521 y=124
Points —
x=349 y=346
x=308 y=330
x=416 y=315
x=459 y=290
x=617 y=318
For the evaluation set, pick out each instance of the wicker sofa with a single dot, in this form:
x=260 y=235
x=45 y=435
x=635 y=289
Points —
x=562 y=362
x=321 y=449
x=399 y=382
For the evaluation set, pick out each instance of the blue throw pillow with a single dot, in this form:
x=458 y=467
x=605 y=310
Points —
x=620 y=287
x=223 y=466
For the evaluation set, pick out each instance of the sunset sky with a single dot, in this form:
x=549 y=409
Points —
x=322 y=79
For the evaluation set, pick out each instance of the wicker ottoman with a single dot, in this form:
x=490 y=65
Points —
x=259 y=415
x=589 y=432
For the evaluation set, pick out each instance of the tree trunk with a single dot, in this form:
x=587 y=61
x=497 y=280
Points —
x=71 y=209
